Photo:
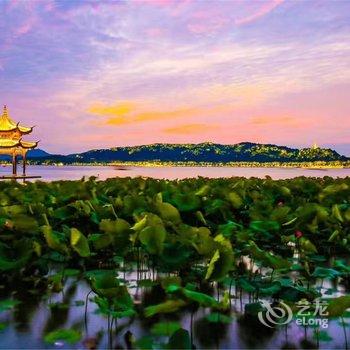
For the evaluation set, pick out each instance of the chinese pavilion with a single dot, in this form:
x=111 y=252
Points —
x=11 y=142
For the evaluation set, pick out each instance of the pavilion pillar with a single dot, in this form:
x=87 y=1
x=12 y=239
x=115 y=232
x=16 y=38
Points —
x=14 y=164
x=24 y=163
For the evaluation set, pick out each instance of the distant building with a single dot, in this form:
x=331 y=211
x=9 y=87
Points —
x=11 y=142
x=315 y=146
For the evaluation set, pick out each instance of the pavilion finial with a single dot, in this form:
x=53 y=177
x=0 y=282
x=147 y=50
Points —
x=5 y=110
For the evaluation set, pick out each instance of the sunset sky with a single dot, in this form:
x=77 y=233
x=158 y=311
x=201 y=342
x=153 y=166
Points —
x=97 y=74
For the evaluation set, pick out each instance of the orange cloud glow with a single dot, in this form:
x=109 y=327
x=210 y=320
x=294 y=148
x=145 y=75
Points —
x=120 y=109
x=274 y=120
x=190 y=128
x=128 y=112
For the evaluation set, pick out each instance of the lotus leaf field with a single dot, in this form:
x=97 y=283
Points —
x=158 y=264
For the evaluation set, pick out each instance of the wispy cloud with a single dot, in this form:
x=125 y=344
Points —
x=246 y=66
x=189 y=129
x=131 y=113
x=265 y=9
x=120 y=109
x=276 y=120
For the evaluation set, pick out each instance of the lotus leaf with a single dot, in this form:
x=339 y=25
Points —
x=79 y=243
x=153 y=237
x=70 y=336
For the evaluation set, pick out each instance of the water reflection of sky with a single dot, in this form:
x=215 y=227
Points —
x=33 y=318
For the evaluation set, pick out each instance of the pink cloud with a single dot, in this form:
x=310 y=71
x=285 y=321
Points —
x=25 y=27
x=263 y=10
x=208 y=26
x=158 y=3
x=154 y=32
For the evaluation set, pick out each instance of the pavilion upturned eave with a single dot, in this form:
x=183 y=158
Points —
x=8 y=125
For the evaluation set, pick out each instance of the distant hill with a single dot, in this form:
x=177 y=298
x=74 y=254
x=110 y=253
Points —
x=202 y=152
x=31 y=154
x=37 y=153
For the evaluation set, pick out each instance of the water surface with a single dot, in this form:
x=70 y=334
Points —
x=51 y=173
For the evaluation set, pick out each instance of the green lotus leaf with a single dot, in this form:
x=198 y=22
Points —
x=119 y=231
x=274 y=288
x=235 y=200
x=268 y=259
x=322 y=272
x=267 y=227
x=338 y=306
x=334 y=236
x=347 y=215
x=100 y=241
x=69 y=336
x=165 y=328
x=186 y=202
x=285 y=191
x=341 y=266
x=336 y=213
x=170 y=280
x=203 y=241
x=246 y=285
x=217 y=317
x=122 y=300
x=153 y=237
x=105 y=283
x=147 y=219
x=114 y=227
x=200 y=217
x=217 y=206
x=200 y=298
x=13 y=210
x=82 y=207
x=253 y=308
x=169 y=213
x=16 y=256
x=145 y=343
x=25 y=223
x=175 y=256
x=280 y=215
x=168 y=306
x=8 y=304
x=307 y=246
x=222 y=260
x=79 y=243
x=63 y=213
x=55 y=240
x=332 y=190
x=203 y=191
x=147 y=283
x=229 y=228
x=180 y=339
x=212 y=263
x=322 y=336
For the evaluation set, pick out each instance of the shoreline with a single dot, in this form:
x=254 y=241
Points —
x=121 y=164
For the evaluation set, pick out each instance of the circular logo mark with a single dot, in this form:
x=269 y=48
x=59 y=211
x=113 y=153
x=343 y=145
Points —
x=277 y=315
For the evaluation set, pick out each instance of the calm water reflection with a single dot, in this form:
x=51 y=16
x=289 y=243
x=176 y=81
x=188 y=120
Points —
x=51 y=173
x=40 y=312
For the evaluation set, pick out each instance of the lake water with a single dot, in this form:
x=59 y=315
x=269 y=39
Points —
x=40 y=312
x=52 y=173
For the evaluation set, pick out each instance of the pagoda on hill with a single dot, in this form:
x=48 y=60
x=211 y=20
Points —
x=11 y=142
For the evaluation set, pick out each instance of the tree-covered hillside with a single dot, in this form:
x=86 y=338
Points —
x=203 y=152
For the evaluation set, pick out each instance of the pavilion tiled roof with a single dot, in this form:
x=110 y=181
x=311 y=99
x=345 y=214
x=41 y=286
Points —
x=7 y=124
x=8 y=143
